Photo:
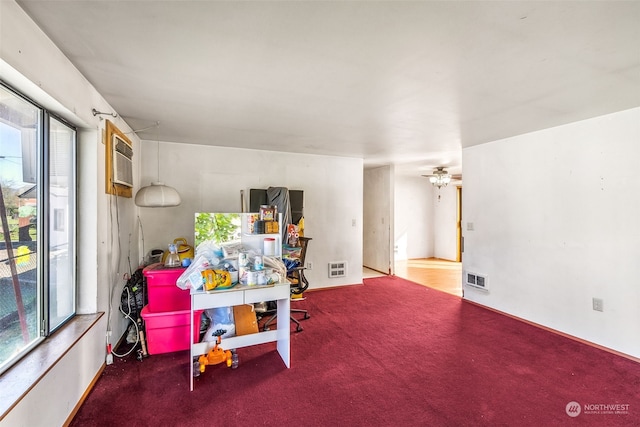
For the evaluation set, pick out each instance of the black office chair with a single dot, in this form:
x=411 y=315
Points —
x=299 y=284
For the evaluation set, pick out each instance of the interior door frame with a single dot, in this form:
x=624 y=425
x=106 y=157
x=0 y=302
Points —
x=459 y=241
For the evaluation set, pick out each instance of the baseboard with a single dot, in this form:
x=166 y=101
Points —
x=84 y=396
x=91 y=385
x=555 y=331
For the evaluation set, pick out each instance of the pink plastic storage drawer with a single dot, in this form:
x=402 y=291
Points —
x=169 y=331
x=162 y=292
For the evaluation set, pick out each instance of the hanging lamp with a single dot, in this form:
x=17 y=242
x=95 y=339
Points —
x=157 y=195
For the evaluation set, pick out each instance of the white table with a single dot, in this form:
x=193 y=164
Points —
x=238 y=295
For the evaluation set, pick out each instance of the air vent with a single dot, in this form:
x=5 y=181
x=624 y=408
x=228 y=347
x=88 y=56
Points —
x=122 y=164
x=337 y=269
x=476 y=280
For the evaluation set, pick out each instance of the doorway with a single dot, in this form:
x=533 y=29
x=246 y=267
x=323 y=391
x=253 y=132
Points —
x=443 y=270
x=440 y=274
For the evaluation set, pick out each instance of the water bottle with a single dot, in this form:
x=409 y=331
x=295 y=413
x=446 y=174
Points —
x=173 y=260
x=258 y=263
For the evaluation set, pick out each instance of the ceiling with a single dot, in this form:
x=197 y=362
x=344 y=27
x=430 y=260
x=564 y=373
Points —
x=403 y=83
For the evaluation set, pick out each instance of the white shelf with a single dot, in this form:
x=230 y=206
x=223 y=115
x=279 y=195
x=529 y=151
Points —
x=239 y=295
x=256 y=241
x=244 y=294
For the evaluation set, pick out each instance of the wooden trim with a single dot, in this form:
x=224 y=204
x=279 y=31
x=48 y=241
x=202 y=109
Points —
x=91 y=385
x=84 y=396
x=110 y=186
x=18 y=380
x=555 y=331
x=378 y=271
x=458 y=224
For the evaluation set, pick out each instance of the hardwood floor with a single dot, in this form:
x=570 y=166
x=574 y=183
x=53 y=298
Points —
x=368 y=273
x=434 y=273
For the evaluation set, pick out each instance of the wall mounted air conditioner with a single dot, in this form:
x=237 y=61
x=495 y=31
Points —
x=122 y=162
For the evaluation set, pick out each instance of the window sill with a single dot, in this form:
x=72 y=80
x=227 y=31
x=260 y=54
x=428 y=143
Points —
x=18 y=380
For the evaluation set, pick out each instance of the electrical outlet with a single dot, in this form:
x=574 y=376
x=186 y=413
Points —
x=309 y=266
x=598 y=304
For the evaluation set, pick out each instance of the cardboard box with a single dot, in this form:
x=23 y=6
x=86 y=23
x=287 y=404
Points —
x=245 y=319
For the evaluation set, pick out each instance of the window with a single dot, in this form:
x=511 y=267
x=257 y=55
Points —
x=37 y=231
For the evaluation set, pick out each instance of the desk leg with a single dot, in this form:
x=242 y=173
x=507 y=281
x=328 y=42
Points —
x=284 y=329
x=191 y=347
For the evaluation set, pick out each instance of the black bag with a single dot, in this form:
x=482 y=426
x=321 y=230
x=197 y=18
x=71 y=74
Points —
x=134 y=295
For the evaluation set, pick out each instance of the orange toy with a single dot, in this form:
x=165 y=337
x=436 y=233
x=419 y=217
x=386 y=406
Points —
x=217 y=355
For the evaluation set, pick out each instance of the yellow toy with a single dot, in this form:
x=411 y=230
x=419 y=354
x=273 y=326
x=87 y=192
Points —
x=217 y=355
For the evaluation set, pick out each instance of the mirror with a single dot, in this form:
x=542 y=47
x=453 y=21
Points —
x=218 y=227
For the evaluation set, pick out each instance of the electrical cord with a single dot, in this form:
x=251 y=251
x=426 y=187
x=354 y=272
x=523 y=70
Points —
x=141 y=237
x=112 y=287
x=135 y=324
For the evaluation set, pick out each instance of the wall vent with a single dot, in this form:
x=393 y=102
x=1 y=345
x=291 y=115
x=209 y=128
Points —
x=337 y=269
x=476 y=280
x=122 y=163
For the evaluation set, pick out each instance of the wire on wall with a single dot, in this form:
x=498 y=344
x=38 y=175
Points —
x=155 y=125
x=141 y=238
x=115 y=283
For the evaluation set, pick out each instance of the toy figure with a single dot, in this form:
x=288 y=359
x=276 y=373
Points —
x=217 y=355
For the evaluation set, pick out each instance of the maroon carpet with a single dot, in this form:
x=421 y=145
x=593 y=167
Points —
x=388 y=352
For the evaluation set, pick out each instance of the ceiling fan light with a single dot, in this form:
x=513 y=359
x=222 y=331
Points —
x=157 y=195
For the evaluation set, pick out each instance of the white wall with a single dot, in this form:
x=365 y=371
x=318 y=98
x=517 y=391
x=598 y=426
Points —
x=555 y=217
x=413 y=218
x=445 y=207
x=425 y=224
x=87 y=227
x=209 y=179
x=33 y=65
x=378 y=202
x=52 y=399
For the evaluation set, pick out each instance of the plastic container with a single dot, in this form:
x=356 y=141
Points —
x=269 y=246
x=169 y=331
x=162 y=292
x=252 y=278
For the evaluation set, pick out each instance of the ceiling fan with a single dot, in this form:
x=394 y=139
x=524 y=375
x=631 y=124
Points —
x=440 y=177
